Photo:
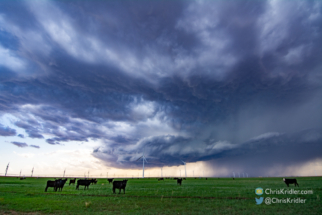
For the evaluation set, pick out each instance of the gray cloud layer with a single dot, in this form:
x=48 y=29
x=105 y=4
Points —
x=182 y=79
x=6 y=131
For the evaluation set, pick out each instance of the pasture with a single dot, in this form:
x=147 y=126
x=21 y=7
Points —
x=150 y=196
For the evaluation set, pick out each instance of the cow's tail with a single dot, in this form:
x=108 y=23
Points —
x=77 y=186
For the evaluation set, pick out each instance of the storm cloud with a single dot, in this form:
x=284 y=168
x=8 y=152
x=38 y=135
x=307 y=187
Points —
x=193 y=80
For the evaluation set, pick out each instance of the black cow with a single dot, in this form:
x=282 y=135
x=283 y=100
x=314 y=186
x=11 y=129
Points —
x=72 y=181
x=60 y=184
x=110 y=180
x=51 y=184
x=119 y=185
x=161 y=179
x=290 y=181
x=184 y=179
x=93 y=181
x=82 y=182
x=23 y=178
x=179 y=181
x=206 y=178
x=175 y=178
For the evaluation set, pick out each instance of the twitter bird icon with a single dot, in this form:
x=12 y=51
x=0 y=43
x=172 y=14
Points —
x=259 y=201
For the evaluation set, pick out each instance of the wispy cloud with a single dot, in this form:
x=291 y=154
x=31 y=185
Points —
x=23 y=145
x=19 y=144
x=34 y=146
x=21 y=135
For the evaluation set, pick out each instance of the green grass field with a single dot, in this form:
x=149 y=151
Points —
x=148 y=196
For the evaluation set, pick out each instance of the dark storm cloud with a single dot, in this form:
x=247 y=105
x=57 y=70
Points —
x=256 y=156
x=30 y=127
x=6 y=131
x=272 y=156
x=19 y=144
x=181 y=80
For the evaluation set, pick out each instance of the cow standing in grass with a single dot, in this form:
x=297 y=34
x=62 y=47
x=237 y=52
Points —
x=161 y=179
x=179 y=181
x=51 y=184
x=110 y=180
x=290 y=181
x=60 y=184
x=85 y=183
x=94 y=181
x=72 y=181
x=119 y=185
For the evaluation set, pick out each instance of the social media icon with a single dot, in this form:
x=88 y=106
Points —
x=259 y=191
x=259 y=201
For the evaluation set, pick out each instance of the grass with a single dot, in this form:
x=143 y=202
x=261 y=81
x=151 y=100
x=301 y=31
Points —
x=149 y=196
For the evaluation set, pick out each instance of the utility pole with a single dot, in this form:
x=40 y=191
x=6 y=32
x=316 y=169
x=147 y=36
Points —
x=7 y=169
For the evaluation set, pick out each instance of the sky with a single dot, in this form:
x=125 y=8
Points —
x=229 y=87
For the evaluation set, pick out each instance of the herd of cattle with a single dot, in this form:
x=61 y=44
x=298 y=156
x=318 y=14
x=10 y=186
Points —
x=59 y=183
